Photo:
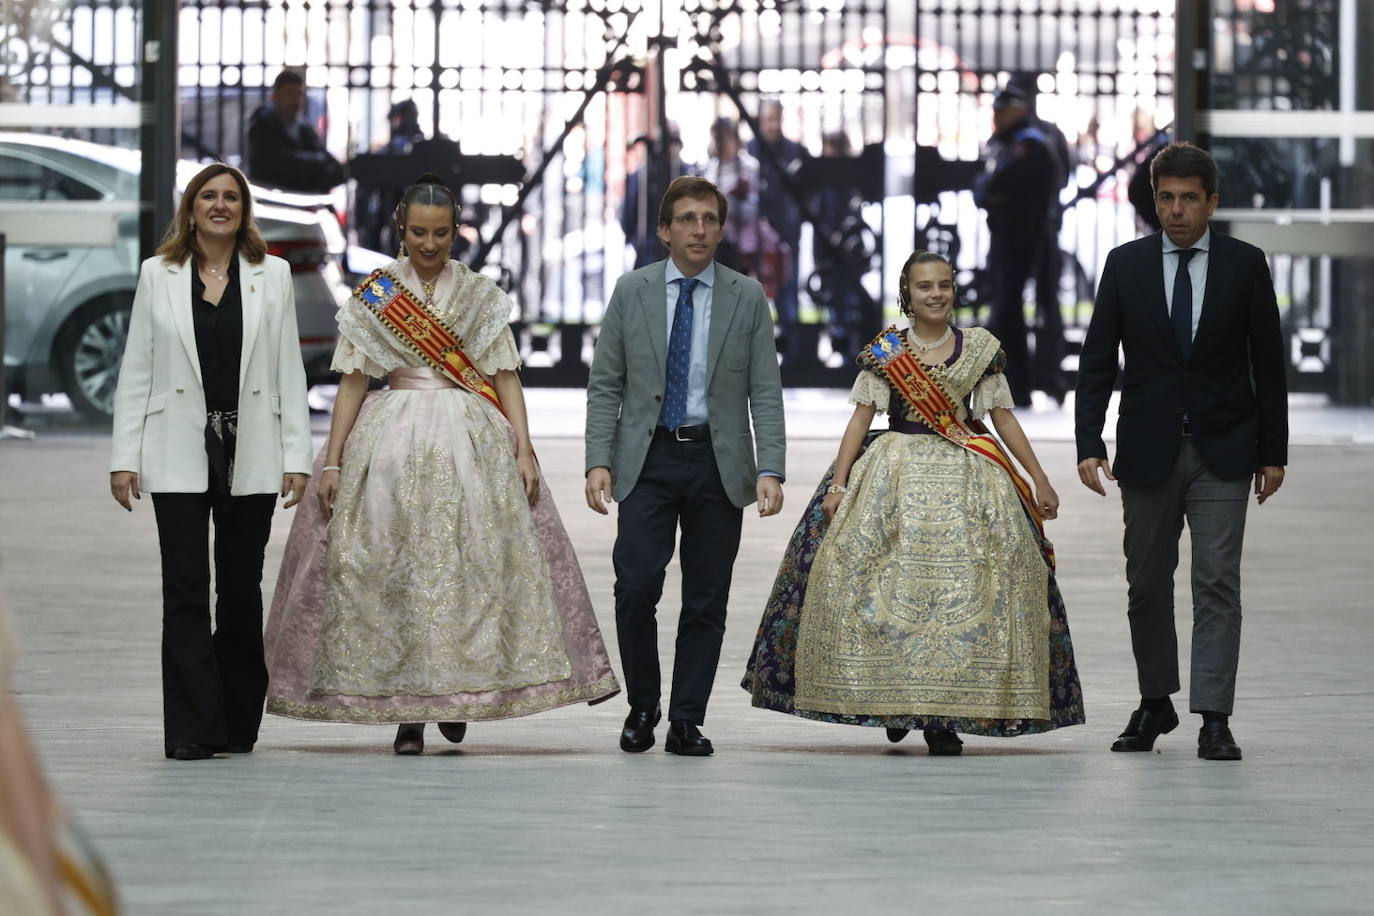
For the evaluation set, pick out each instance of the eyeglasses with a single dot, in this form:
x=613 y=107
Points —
x=688 y=220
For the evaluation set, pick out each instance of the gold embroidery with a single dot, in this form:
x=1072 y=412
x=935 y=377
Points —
x=419 y=326
x=928 y=594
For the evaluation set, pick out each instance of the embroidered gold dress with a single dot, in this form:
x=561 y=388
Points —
x=434 y=593
x=926 y=601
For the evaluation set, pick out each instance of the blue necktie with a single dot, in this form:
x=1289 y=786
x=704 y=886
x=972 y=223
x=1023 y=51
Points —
x=1183 y=302
x=679 y=357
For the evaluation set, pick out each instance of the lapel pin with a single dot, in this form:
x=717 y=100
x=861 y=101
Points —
x=252 y=288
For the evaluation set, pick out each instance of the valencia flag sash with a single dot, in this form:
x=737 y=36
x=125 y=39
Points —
x=423 y=332
x=927 y=397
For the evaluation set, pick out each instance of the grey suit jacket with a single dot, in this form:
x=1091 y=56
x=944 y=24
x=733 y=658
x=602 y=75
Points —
x=625 y=391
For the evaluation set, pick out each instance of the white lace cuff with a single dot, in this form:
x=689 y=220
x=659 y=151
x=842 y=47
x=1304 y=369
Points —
x=501 y=354
x=348 y=358
x=869 y=389
x=991 y=392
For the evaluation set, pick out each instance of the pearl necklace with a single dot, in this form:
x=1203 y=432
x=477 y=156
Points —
x=217 y=272
x=924 y=347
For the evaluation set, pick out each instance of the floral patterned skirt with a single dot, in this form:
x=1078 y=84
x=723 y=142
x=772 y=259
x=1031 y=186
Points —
x=770 y=676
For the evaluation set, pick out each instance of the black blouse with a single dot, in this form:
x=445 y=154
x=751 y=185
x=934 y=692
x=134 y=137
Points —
x=219 y=339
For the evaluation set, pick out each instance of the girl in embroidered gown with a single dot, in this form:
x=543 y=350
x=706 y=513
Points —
x=429 y=576
x=918 y=590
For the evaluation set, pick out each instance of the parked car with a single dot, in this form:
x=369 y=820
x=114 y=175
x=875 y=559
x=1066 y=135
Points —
x=67 y=305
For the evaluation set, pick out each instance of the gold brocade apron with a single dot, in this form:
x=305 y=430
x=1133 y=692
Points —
x=929 y=594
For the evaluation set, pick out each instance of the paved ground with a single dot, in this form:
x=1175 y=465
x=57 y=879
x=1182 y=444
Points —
x=545 y=814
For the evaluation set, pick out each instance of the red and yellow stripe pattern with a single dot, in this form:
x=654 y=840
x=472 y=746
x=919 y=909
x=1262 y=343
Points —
x=924 y=394
x=423 y=332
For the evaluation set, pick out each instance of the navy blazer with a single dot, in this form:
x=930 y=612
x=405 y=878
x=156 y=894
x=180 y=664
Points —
x=1233 y=388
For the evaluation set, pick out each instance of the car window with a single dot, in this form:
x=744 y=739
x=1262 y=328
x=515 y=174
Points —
x=21 y=179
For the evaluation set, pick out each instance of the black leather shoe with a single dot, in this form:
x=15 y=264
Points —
x=1144 y=727
x=238 y=749
x=897 y=734
x=192 y=752
x=410 y=739
x=943 y=744
x=1214 y=742
x=686 y=739
x=638 y=734
x=454 y=731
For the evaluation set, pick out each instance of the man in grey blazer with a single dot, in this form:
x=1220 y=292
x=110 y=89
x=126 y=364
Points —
x=684 y=361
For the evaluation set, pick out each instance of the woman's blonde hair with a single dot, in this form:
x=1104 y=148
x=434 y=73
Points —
x=179 y=241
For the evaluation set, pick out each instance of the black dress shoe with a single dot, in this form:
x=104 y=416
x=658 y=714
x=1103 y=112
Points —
x=410 y=739
x=686 y=739
x=638 y=734
x=897 y=734
x=238 y=749
x=1214 y=742
x=192 y=752
x=1144 y=727
x=943 y=744
x=454 y=731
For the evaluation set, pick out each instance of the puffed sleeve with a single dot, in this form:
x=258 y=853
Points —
x=348 y=358
x=500 y=354
x=992 y=389
x=870 y=389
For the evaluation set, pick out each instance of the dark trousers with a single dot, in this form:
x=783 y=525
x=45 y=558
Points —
x=1049 y=329
x=1215 y=512
x=679 y=485
x=1011 y=261
x=213 y=685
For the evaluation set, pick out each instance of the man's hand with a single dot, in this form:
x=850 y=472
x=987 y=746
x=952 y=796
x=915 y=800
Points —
x=1087 y=473
x=1267 y=482
x=124 y=484
x=294 y=485
x=769 y=491
x=598 y=489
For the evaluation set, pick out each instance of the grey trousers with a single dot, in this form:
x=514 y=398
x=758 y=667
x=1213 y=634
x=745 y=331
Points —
x=1215 y=512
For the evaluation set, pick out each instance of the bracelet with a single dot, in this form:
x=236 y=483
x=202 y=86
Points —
x=836 y=488
x=331 y=467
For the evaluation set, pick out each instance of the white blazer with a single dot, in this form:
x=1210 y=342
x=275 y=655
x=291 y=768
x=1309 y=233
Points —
x=159 y=407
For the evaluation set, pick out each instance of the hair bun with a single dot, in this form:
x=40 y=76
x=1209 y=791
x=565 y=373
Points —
x=430 y=178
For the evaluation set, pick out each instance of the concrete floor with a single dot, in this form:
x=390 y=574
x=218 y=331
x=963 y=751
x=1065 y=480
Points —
x=545 y=814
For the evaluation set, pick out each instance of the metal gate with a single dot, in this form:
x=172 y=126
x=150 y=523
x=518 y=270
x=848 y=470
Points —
x=553 y=106
x=1277 y=106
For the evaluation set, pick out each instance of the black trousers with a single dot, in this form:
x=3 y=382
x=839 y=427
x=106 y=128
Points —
x=1047 y=376
x=213 y=685
x=1011 y=261
x=679 y=486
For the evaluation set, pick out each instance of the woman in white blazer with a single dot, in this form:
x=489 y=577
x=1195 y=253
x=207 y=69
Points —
x=211 y=419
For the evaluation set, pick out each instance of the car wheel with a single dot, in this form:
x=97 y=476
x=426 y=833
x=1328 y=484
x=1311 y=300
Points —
x=89 y=350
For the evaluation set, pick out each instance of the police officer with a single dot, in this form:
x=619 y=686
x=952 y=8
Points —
x=1017 y=191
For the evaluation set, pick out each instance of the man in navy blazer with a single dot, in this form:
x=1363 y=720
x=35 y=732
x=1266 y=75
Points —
x=685 y=360
x=1204 y=410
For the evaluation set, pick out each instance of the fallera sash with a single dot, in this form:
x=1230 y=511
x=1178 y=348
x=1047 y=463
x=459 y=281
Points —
x=423 y=332
x=927 y=397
